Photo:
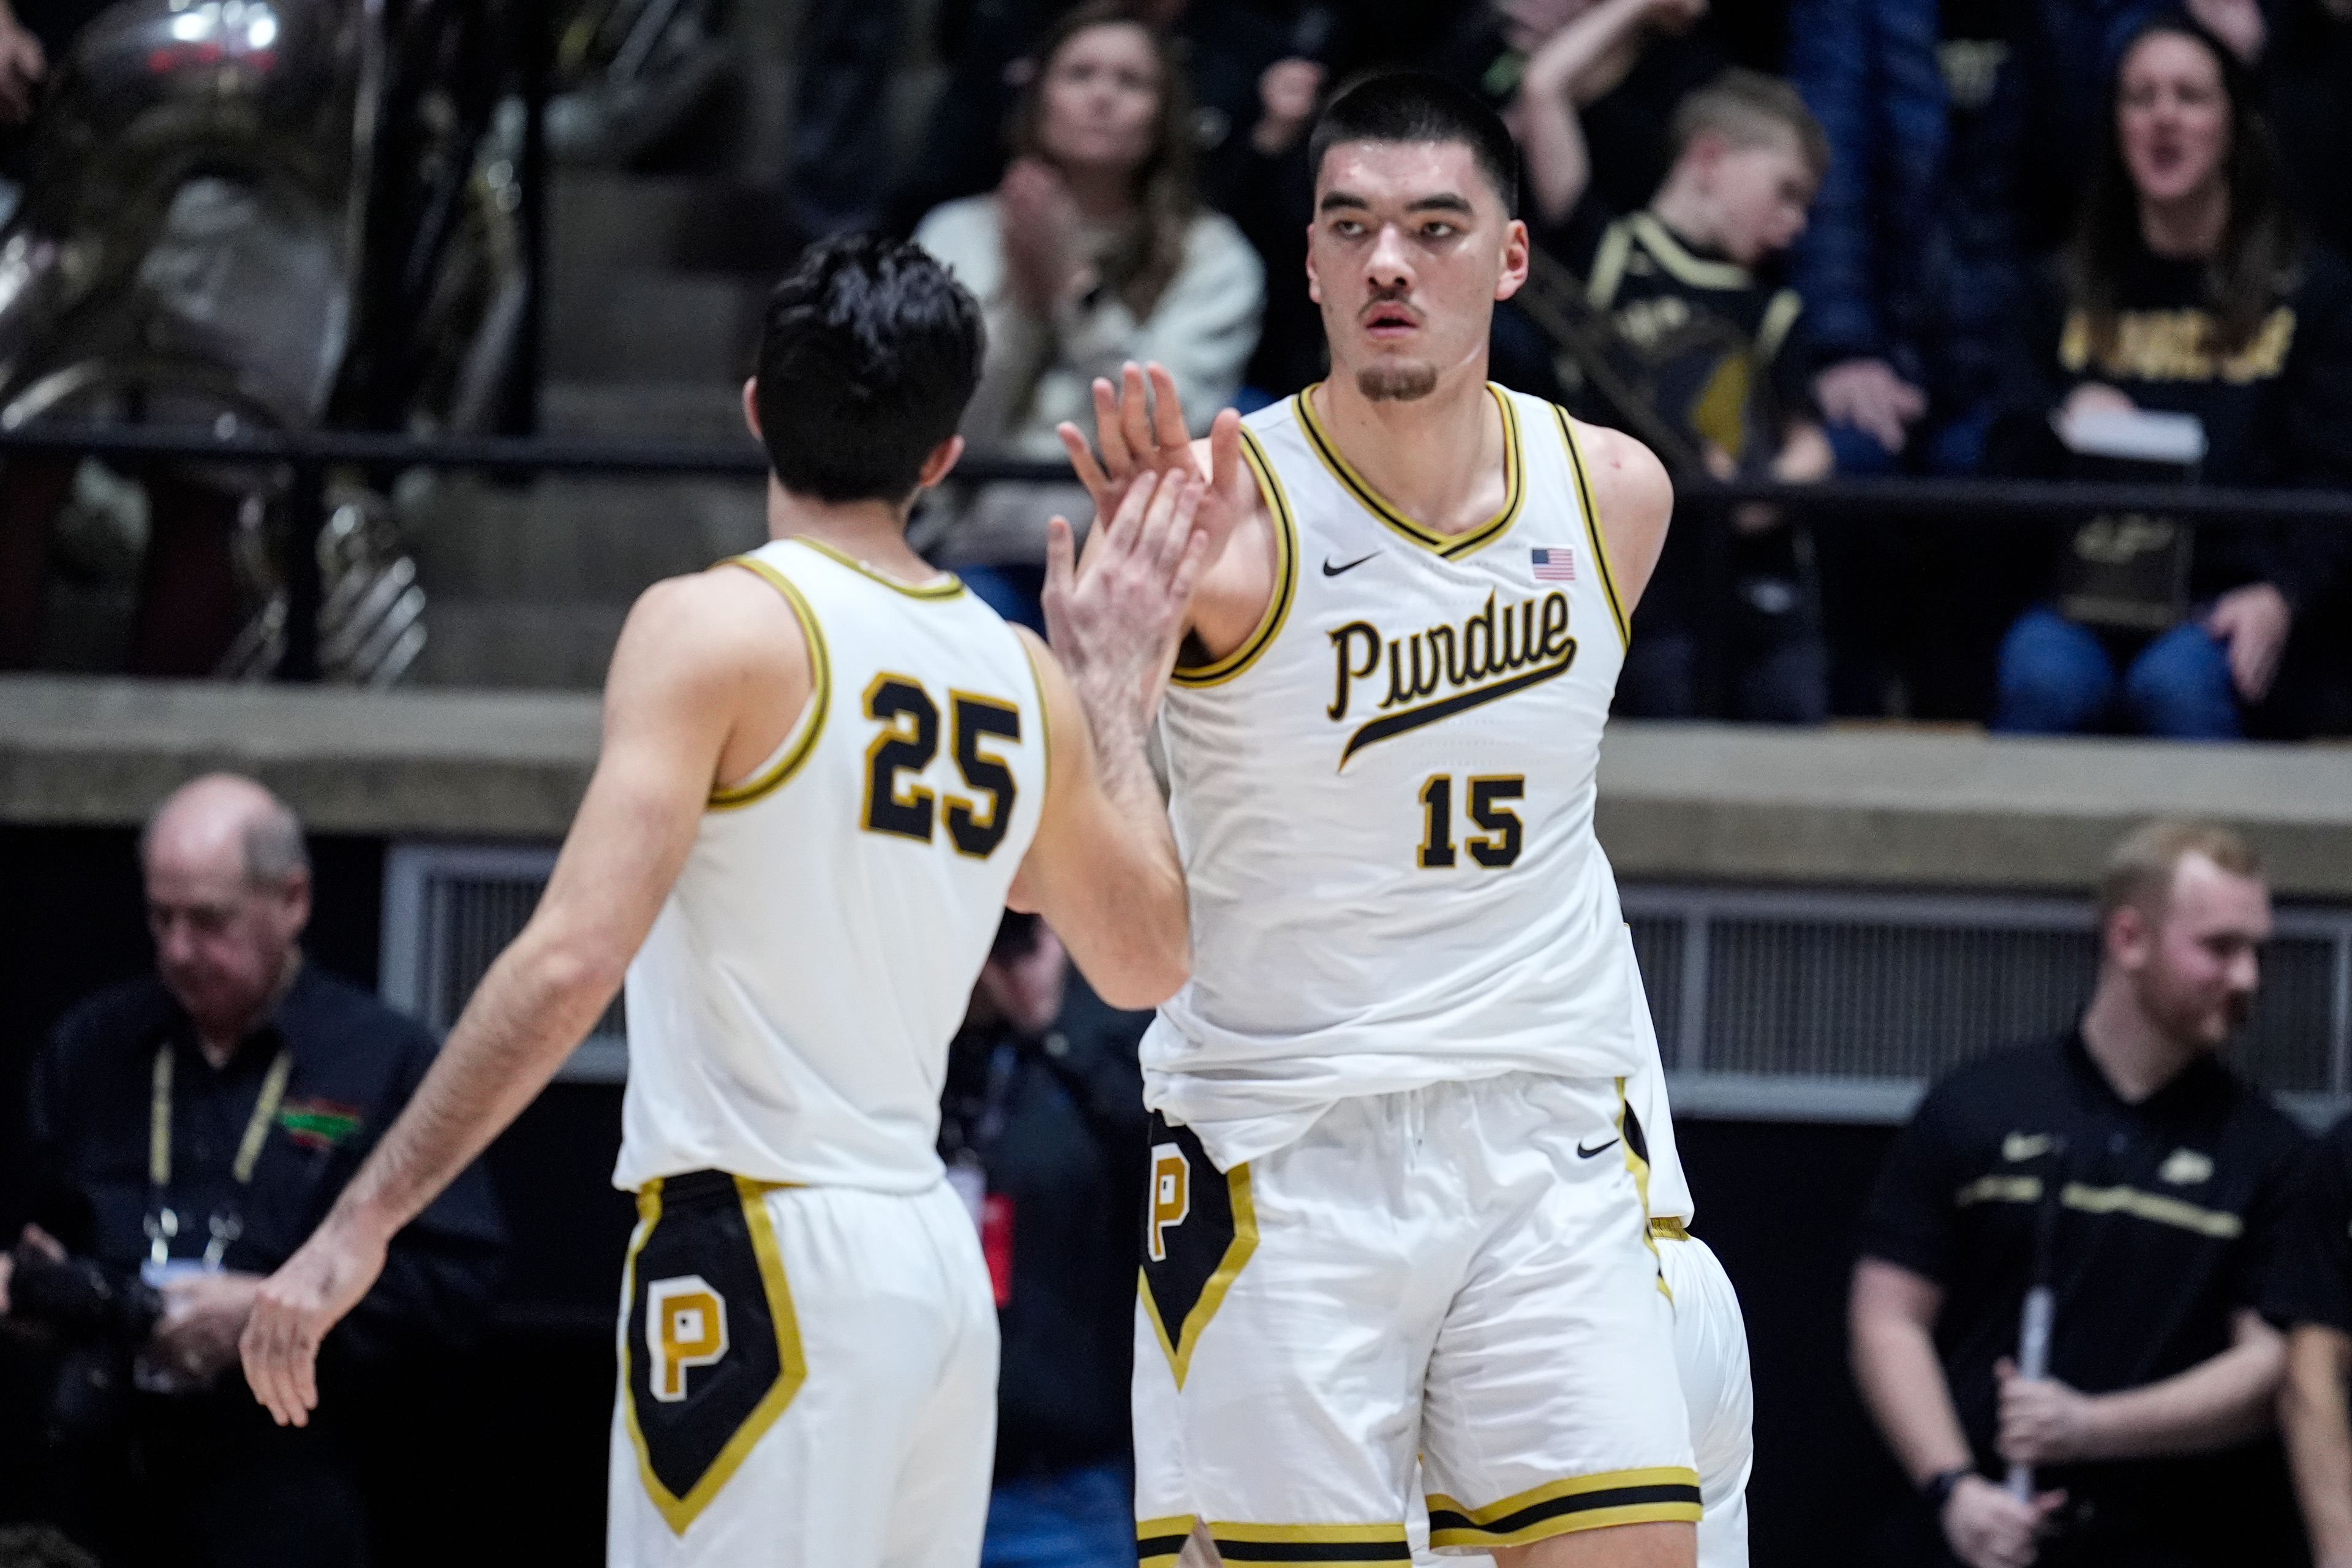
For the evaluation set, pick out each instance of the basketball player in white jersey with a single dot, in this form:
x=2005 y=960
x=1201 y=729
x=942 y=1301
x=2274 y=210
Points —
x=825 y=770
x=1393 y=1209
x=1710 y=1336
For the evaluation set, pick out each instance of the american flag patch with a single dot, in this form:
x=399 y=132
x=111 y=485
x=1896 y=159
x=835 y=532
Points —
x=1554 y=565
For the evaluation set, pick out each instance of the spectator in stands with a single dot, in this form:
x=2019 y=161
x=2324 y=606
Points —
x=1625 y=98
x=1690 y=333
x=2313 y=1306
x=186 y=1131
x=2163 y=1177
x=995 y=47
x=1095 y=250
x=1043 y=1131
x=1910 y=272
x=2187 y=290
x=1660 y=51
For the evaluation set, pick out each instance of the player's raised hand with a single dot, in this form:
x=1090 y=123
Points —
x=1140 y=426
x=1116 y=620
x=292 y=1311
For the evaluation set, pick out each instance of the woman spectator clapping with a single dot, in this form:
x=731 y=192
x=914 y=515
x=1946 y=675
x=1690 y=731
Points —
x=1093 y=251
x=2187 y=291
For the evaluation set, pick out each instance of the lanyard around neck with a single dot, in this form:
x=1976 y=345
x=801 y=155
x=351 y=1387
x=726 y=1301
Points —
x=248 y=1148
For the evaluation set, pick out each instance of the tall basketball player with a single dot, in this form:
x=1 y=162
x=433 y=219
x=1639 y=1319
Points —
x=825 y=771
x=1394 y=1206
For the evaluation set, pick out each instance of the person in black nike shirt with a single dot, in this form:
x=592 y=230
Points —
x=2186 y=290
x=2171 y=1178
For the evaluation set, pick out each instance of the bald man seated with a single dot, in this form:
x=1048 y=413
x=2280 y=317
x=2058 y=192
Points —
x=187 y=1130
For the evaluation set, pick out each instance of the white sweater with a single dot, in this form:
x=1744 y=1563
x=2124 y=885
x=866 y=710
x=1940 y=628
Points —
x=1039 y=371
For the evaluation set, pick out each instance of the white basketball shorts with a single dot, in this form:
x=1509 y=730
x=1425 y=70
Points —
x=1463 y=1272
x=1711 y=1356
x=808 y=1379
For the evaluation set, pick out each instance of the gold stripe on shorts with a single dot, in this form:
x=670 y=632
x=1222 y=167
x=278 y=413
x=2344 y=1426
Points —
x=1326 y=1546
x=1157 y=1541
x=1665 y=1495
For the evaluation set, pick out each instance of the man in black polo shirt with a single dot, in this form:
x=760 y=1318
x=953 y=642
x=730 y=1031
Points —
x=2169 y=1174
x=2314 y=1303
x=187 y=1130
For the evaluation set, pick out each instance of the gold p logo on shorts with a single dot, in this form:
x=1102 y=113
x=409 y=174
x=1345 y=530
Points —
x=1171 y=1195
x=686 y=1325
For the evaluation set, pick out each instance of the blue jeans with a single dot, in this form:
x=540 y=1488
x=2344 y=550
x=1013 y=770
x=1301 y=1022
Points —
x=2060 y=678
x=1075 y=1519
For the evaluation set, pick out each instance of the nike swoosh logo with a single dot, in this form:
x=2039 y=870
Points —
x=1331 y=571
x=1585 y=1153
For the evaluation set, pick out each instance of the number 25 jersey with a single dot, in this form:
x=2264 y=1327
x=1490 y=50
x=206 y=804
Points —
x=1384 y=801
x=789 y=1011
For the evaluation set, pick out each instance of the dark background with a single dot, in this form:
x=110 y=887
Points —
x=509 y=1464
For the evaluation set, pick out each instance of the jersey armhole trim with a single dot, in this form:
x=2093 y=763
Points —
x=1285 y=577
x=797 y=746
x=1592 y=525
x=1045 y=719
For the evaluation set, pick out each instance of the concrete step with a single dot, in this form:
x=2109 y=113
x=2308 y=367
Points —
x=639 y=325
x=601 y=219
x=695 y=413
x=594 y=540
x=517 y=642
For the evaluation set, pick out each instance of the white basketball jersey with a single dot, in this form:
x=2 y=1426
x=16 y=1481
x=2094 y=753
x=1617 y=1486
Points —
x=1384 y=801
x=790 y=1011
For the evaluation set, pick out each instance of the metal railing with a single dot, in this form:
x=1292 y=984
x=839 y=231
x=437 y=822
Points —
x=307 y=456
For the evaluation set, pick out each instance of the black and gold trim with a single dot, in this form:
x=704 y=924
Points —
x=795 y=752
x=950 y=587
x=1636 y=1144
x=1194 y=1249
x=1453 y=546
x=1666 y=1227
x=1326 y=1546
x=1592 y=525
x=1285 y=577
x=1666 y=1495
x=693 y=1420
x=1157 y=1541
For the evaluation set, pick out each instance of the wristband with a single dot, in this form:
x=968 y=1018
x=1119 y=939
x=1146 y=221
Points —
x=1936 y=1490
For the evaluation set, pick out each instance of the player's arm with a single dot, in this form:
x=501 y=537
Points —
x=2319 y=1431
x=1139 y=425
x=1634 y=501
x=676 y=682
x=1103 y=870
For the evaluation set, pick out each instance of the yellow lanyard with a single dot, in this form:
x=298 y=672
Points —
x=248 y=1148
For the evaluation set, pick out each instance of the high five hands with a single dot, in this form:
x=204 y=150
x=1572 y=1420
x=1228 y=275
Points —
x=1139 y=425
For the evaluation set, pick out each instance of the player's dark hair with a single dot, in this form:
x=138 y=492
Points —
x=869 y=352
x=1413 y=106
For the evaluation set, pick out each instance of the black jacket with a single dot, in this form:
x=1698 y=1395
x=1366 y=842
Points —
x=355 y=1062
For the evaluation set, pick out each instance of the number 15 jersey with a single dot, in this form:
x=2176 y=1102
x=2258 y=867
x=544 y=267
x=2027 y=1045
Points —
x=1384 y=801
x=789 y=1011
